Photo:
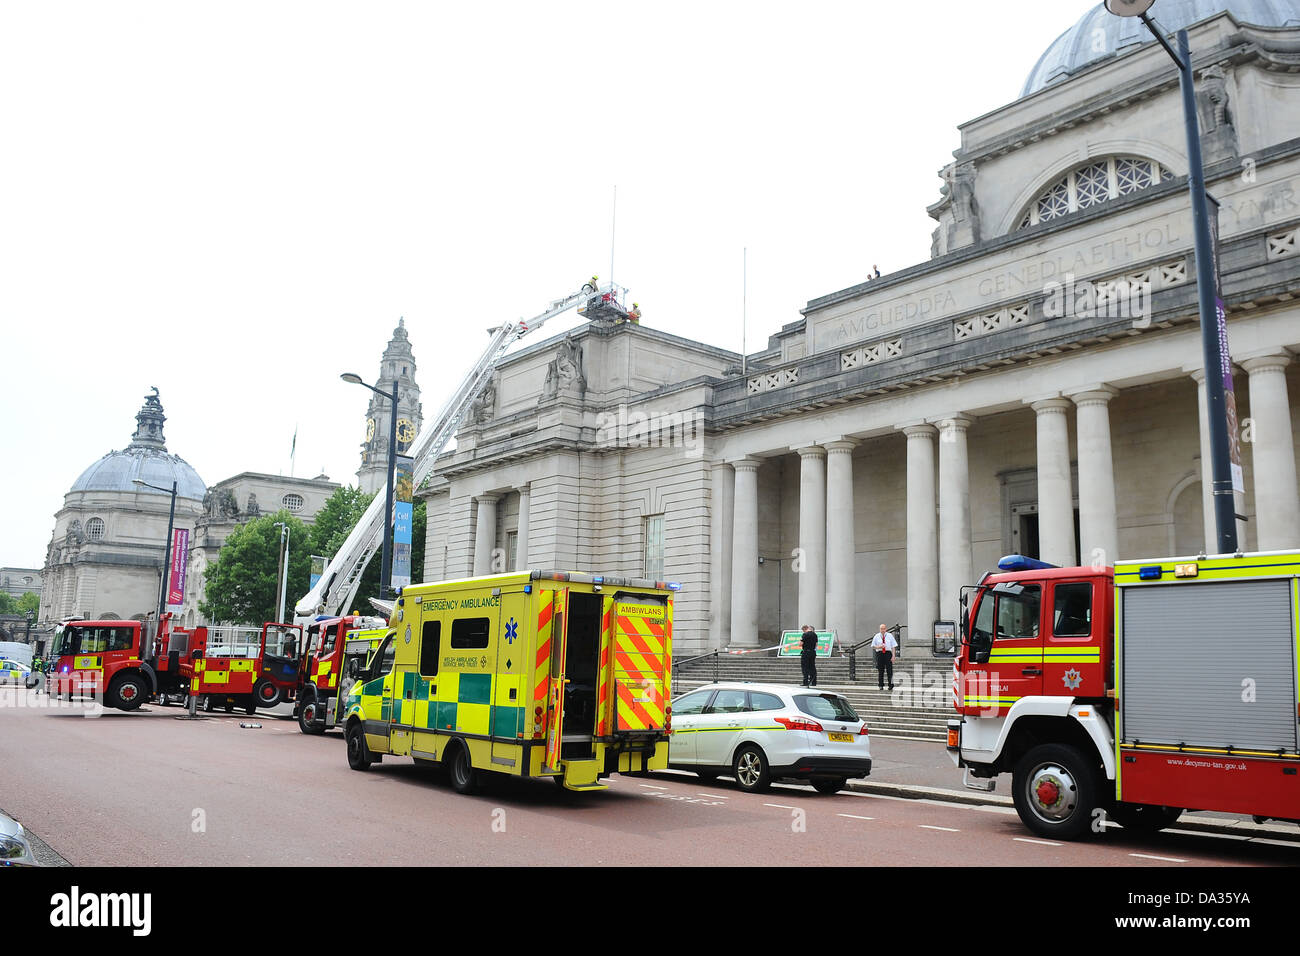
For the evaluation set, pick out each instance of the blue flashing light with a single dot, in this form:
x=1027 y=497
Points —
x=1018 y=562
x=528 y=589
x=598 y=579
x=674 y=586
x=1151 y=572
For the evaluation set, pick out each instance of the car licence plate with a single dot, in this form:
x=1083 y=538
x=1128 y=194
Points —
x=841 y=738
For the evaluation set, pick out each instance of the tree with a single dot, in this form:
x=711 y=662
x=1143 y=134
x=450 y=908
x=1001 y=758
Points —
x=30 y=603
x=336 y=519
x=8 y=603
x=240 y=587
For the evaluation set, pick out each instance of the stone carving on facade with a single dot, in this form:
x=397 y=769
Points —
x=220 y=503
x=957 y=211
x=76 y=536
x=564 y=375
x=1218 y=124
x=252 y=509
x=484 y=408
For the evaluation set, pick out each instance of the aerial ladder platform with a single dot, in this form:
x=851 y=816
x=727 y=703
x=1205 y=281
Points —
x=338 y=585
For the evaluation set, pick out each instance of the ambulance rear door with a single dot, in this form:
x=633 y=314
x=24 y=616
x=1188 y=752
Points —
x=642 y=649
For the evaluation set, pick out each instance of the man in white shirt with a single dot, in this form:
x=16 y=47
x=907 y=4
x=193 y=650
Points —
x=884 y=646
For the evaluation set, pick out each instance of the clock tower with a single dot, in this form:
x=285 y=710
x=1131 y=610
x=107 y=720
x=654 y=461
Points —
x=397 y=364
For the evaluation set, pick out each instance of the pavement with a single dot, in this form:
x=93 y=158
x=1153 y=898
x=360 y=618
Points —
x=922 y=770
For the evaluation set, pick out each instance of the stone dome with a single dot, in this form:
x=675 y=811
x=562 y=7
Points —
x=145 y=458
x=1100 y=34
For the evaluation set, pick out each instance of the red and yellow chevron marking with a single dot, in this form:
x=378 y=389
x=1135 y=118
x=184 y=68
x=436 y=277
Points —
x=639 y=659
x=542 y=665
x=668 y=652
x=606 y=638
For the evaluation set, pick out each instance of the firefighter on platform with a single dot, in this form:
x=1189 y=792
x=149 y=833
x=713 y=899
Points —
x=635 y=315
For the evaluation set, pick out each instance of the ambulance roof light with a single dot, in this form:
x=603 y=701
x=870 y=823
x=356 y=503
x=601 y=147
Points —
x=1018 y=562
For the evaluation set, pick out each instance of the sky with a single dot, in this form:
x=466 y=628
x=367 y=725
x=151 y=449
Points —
x=235 y=202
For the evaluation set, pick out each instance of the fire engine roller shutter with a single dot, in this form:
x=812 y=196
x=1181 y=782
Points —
x=1188 y=648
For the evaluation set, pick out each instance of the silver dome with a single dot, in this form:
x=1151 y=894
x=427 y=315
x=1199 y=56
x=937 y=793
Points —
x=1100 y=34
x=116 y=471
x=145 y=458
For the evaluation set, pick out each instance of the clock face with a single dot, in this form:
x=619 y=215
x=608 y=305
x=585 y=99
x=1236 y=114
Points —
x=405 y=431
x=370 y=428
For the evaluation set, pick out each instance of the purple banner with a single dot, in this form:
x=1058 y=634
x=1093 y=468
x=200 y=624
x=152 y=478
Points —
x=180 y=554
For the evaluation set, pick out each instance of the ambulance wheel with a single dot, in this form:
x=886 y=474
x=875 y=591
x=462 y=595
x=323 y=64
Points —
x=308 y=723
x=358 y=753
x=464 y=778
x=1143 y=817
x=1055 y=790
x=752 y=773
x=127 y=692
x=267 y=694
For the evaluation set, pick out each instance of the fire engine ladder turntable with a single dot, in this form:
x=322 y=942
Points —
x=337 y=587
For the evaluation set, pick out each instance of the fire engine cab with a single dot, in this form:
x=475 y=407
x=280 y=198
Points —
x=1132 y=693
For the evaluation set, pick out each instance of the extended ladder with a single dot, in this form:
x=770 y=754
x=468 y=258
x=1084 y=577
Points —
x=338 y=586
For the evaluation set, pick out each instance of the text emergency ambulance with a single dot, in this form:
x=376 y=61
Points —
x=1132 y=693
x=533 y=674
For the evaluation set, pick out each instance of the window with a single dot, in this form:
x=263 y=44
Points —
x=1072 y=610
x=387 y=654
x=1098 y=182
x=1017 y=612
x=758 y=701
x=692 y=703
x=470 y=633
x=95 y=529
x=728 y=702
x=512 y=549
x=292 y=502
x=825 y=707
x=654 y=547
x=430 y=646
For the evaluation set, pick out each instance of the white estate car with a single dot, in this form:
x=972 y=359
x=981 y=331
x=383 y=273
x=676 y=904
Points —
x=759 y=732
x=15 y=671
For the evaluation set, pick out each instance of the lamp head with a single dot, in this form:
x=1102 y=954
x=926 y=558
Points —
x=352 y=378
x=1128 y=8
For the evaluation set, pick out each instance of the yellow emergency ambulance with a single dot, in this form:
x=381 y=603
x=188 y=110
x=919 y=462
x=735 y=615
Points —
x=533 y=674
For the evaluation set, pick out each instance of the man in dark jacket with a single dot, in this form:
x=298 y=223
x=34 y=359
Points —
x=808 y=656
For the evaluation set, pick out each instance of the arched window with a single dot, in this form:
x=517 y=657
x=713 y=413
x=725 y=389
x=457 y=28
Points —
x=1098 y=182
x=95 y=529
x=292 y=502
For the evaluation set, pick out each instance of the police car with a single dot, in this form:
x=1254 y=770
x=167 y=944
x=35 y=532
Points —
x=12 y=671
x=761 y=732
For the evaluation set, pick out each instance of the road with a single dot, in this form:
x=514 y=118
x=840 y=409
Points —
x=148 y=788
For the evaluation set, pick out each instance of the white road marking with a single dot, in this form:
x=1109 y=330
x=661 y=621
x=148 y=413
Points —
x=780 y=806
x=1162 y=859
x=715 y=796
x=651 y=786
x=854 y=816
x=1039 y=842
x=926 y=826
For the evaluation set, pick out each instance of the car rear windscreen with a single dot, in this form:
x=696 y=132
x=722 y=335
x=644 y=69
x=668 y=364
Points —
x=825 y=706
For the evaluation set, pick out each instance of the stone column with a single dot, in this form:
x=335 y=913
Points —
x=1207 y=473
x=521 y=535
x=955 y=564
x=922 y=535
x=841 y=550
x=744 y=556
x=1055 y=495
x=812 y=536
x=1272 y=451
x=485 y=533
x=1098 y=524
x=721 y=520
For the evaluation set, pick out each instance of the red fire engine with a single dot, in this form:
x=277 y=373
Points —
x=1132 y=693
x=105 y=659
x=327 y=656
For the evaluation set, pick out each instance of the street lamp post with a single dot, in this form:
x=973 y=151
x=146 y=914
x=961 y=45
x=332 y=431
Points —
x=385 y=570
x=1206 y=287
x=167 y=551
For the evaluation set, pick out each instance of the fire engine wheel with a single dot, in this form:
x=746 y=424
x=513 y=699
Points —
x=267 y=694
x=751 y=769
x=308 y=720
x=229 y=707
x=127 y=692
x=1055 y=791
x=1143 y=817
x=464 y=778
x=358 y=753
x=206 y=705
